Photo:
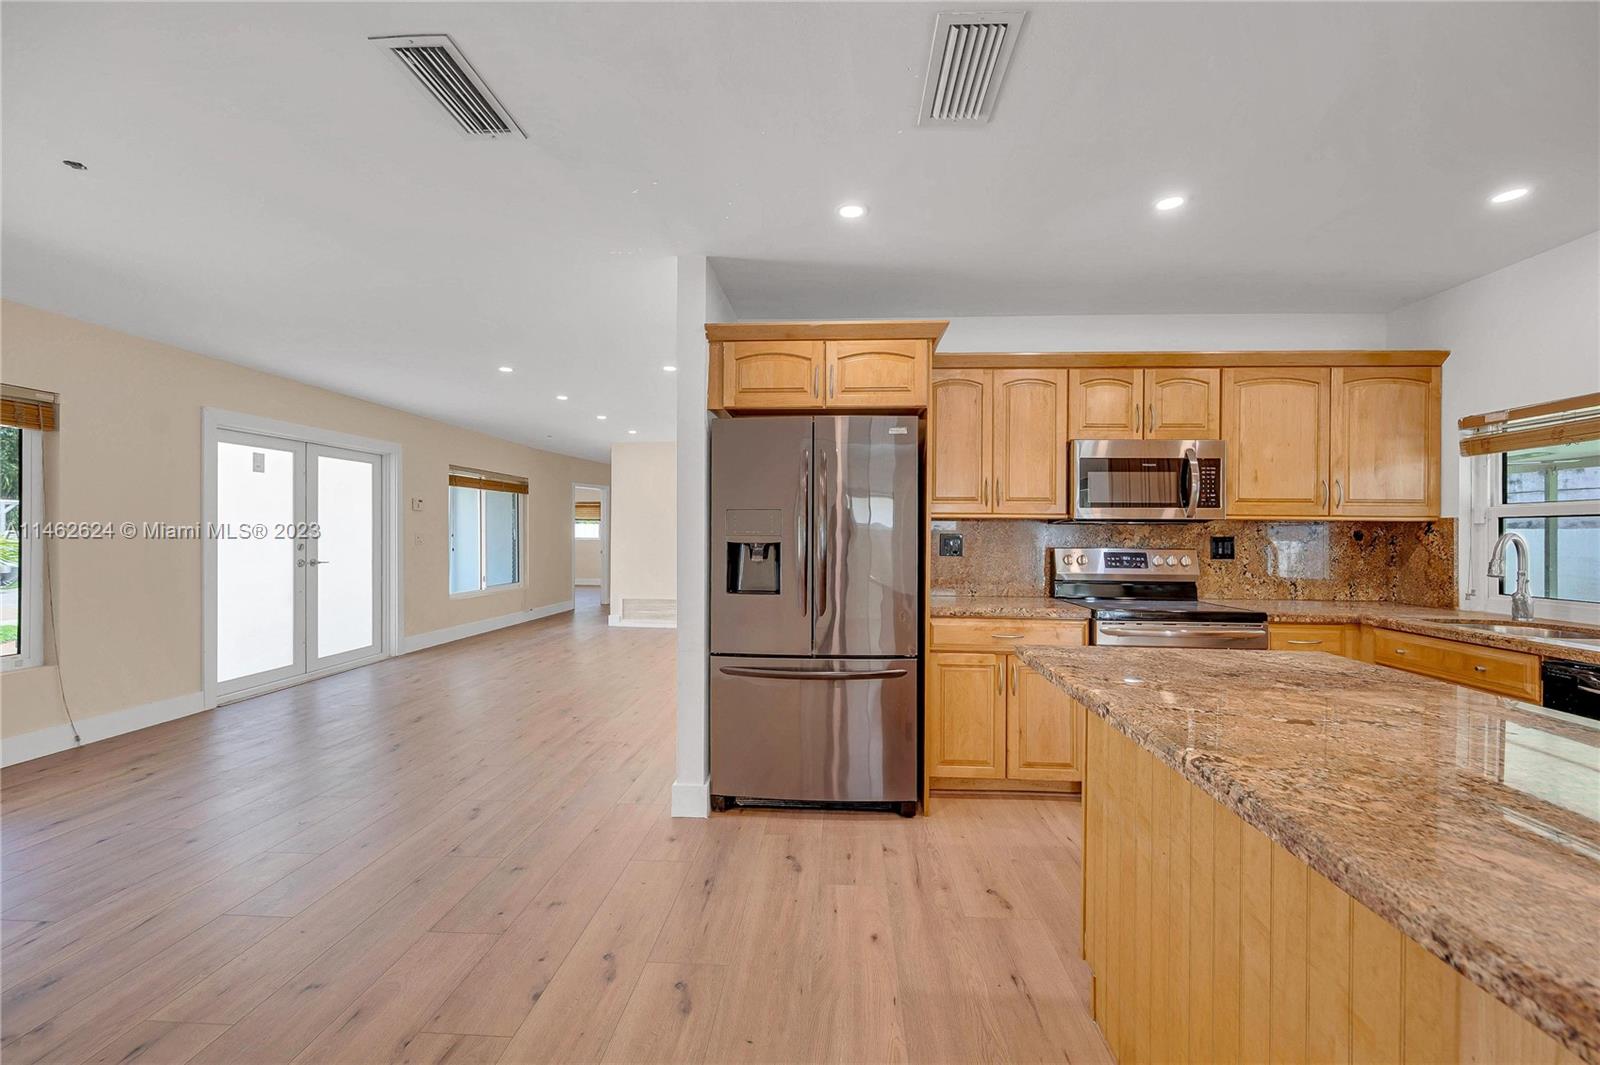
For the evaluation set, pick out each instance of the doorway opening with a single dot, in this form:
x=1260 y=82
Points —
x=591 y=545
x=300 y=562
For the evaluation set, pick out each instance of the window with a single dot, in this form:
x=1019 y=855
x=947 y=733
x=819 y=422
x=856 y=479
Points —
x=1551 y=497
x=21 y=587
x=586 y=529
x=485 y=532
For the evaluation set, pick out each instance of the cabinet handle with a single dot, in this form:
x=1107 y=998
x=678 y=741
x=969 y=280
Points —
x=986 y=491
x=1138 y=418
x=1322 y=492
x=1305 y=643
x=1006 y=635
x=1399 y=650
x=1000 y=679
x=1338 y=494
x=1152 y=418
x=830 y=382
x=997 y=490
x=1480 y=669
x=815 y=392
x=1014 y=668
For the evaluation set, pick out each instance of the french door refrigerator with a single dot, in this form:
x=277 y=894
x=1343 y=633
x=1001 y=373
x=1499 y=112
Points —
x=816 y=610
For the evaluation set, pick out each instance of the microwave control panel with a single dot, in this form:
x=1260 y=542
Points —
x=1210 y=484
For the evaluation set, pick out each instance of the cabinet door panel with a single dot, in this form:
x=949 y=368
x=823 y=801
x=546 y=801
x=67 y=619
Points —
x=772 y=375
x=966 y=718
x=1030 y=442
x=1275 y=422
x=1045 y=728
x=959 y=452
x=1107 y=404
x=1182 y=404
x=878 y=374
x=1386 y=441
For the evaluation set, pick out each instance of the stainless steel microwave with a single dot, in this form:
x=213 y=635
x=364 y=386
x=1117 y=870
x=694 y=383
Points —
x=1147 y=480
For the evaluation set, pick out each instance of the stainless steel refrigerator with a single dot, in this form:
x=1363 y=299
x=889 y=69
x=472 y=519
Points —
x=816 y=609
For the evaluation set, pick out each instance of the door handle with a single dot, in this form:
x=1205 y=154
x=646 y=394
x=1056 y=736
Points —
x=321 y=561
x=766 y=673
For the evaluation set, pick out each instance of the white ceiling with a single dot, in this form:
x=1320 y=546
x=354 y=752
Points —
x=264 y=186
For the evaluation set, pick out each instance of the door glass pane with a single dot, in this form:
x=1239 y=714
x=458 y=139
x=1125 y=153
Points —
x=500 y=538
x=256 y=628
x=11 y=620
x=1564 y=557
x=344 y=550
x=464 y=571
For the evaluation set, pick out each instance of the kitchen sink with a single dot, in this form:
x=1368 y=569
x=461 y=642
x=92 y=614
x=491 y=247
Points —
x=1525 y=628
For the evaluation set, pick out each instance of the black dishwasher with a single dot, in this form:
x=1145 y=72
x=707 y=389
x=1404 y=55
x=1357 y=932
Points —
x=1573 y=687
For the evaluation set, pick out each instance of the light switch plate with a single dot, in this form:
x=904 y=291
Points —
x=950 y=545
x=416 y=503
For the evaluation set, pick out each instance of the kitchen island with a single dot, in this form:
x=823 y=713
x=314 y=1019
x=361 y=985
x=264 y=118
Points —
x=1295 y=856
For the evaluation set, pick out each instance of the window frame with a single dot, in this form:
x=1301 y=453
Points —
x=30 y=557
x=1486 y=509
x=483 y=532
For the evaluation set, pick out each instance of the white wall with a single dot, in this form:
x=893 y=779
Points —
x=700 y=300
x=1524 y=334
x=1165 y=332
x=644 y=542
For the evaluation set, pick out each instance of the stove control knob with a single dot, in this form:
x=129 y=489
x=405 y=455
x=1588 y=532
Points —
x=1083 y=560
x=1172 y=560
x=1159 y=560
x=1186 y=560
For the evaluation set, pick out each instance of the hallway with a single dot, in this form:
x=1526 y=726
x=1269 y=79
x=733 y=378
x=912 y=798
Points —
x=465 y=854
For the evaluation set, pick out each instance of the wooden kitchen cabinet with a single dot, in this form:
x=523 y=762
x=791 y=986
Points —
x=998 y=442
x=1030 y=441
x=1303 y=636
x=1183 y=404
x=1385 y=448
x=1275 y=422
x=772 y=375
x=877 y=374
x=1107 y=404
x=1044 y=729
x=965 y=715
x=960 y=439
x=1488 y=669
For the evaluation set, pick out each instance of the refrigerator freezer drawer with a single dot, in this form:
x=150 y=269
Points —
x=814 y=730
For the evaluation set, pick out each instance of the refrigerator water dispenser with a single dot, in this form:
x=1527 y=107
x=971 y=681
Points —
x=753 y=568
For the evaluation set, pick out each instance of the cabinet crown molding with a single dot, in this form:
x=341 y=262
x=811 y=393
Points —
x=920 y=329
x=985 y=360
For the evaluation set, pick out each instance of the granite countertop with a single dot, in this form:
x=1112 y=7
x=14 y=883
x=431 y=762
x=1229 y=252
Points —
x=1422 y=620
x=1469 y=821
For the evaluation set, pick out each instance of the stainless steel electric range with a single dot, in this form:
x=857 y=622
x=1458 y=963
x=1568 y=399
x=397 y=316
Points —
x=1142 y=597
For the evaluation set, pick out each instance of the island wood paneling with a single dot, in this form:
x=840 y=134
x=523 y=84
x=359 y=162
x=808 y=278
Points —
x=1210 y=943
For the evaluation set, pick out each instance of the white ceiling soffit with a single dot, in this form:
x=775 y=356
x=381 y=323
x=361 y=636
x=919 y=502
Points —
x=966 y=65
x=444 y=74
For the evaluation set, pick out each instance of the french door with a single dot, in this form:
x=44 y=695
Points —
x=299 y=559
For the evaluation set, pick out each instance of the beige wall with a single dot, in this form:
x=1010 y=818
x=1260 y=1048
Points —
x=644 y=542
x=586 y=553
x=129 y=450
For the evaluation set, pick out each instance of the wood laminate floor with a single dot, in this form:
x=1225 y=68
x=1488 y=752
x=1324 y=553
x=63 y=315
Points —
x=465 y=855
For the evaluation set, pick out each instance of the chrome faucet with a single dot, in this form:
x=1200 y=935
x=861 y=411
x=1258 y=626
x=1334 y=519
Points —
x=1521 y=609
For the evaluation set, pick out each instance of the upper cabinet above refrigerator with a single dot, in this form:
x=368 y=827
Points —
x=870 y=367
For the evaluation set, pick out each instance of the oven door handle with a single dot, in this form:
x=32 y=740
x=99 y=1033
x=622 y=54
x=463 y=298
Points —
x=1221 y=634
x=812 y=674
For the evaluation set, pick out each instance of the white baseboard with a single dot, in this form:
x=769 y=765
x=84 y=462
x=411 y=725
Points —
x=620 y=622
x=476 y=628
x=691 y=800
x=37 y=744
x=587 y=582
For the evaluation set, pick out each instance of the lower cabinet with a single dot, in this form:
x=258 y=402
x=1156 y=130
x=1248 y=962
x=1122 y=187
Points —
x=1299 y=636
x=1488 y=669
x=990 y=718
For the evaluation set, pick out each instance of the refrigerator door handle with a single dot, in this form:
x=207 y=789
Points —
x=812 y=674
x=820 y=562
x=802 y=540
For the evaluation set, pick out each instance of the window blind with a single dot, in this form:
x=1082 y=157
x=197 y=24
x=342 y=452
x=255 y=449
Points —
x=489 y=482
x=27 y=408
x=587 y=510
x=1561 y=421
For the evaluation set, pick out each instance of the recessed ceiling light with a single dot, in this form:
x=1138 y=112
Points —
x=670 y=369
x=562 y=398
x=74 y=164
x=1509 y=194
x=1169 y=203
x=851 y=210
x=505 y=369
x=633 y=432
x=600 y=417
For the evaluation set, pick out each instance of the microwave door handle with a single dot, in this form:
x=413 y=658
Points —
x=1191 y=468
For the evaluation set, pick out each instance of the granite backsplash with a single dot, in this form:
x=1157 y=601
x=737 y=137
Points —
x=1387 y=561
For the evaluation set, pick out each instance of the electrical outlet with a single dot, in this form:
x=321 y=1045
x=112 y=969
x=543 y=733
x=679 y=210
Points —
x=1222 y=547
x=416 y=502
x=950 y=545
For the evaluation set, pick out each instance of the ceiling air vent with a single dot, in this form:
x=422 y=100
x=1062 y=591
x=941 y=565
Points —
x=445 y=75
x=968 y=61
